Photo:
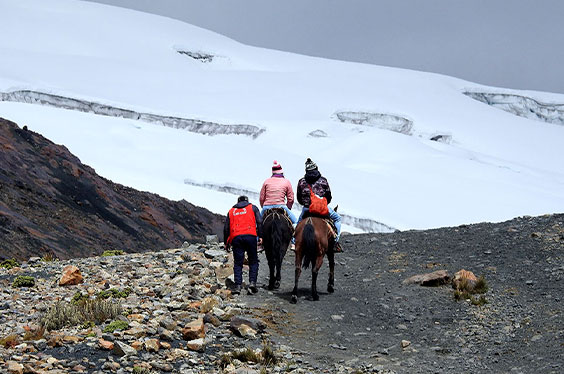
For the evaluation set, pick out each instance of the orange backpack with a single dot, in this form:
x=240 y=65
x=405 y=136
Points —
x=317 y=205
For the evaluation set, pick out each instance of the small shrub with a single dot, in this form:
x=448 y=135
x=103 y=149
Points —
x=88 y=325
x=116 y=252
x=35 y=334
x=479 y=301
x=464 y=290
x=69 y=314
x=10 y=341
x=116 y=325
x=23 y=281
x=91 y=335
x=9 y=264
x=79 y=298
x=115 y=293
x=140 y=370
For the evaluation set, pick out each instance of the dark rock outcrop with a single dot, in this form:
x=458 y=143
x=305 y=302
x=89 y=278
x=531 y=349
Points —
x=52 y=203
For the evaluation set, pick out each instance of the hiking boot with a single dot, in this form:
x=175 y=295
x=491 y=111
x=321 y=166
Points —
x=253 y=288
x=236 y=290
x=338 y=248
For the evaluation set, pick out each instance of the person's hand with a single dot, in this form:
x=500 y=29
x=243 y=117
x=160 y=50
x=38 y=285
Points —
x=260 y=241
x=228 y=247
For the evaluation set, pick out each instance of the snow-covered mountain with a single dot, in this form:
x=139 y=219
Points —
x=167 y=107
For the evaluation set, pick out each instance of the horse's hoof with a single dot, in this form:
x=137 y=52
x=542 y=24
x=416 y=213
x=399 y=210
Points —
x=294 y=299
x=276 y=285
x=315 y=297
x=330 y=288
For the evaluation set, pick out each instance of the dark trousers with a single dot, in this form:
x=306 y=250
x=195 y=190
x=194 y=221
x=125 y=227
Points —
x=240 y=245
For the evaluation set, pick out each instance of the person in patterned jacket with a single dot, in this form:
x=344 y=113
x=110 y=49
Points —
x=321 y=188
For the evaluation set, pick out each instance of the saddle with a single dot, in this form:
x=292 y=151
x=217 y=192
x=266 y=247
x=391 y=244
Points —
x=273 y=212
x=327 y=219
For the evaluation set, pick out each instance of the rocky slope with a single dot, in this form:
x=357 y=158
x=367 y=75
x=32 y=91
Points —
x=176 y=315
x=52 y=203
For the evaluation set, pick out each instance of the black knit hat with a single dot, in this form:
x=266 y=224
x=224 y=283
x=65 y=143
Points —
x=242 y=198
x=310 y=165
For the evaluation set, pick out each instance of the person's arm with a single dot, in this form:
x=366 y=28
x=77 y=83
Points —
x=226 y=232
x=289 y=195
x=258 y=220
x=327 y=192
x=299 y=193
x=262 y=197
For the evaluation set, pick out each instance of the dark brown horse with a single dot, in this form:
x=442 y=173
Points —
x=277 y=233
x=314 y=239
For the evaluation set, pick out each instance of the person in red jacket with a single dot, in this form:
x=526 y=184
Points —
x=243 y=226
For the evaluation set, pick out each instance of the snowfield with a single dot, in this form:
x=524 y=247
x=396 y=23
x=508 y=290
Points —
x=167 y=107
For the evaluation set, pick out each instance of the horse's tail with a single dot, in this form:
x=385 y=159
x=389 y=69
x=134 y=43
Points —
x=276 y=241
x=309 y=244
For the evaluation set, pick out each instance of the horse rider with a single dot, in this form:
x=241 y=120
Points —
x=242 y=227
x=276 y=192
x=320 y=188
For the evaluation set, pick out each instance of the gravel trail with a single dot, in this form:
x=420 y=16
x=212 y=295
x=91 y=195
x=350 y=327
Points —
x=362 y=325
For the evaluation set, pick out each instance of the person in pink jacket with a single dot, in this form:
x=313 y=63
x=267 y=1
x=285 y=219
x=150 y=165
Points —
x=276 y=192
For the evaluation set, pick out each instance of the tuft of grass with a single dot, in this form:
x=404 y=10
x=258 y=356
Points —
x=225 y=360
x=116 y=325
x=68 y=314
x=268 y=356
x=481 y=286
x=479 y=301
x=114 y=293
x=116 y=252
x=35 y=334
x=91 y=335
x=49 y=257
x=9 y=264
x=23 y=281
x=246 y=355
x=10 y=341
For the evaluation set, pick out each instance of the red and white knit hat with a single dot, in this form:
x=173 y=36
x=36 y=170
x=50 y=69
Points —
x=277 y=168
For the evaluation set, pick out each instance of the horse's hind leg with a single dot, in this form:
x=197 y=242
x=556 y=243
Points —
x=331 y=283
x=271 y=283
x=314 y=294
x=297 y=274
x=278 y=276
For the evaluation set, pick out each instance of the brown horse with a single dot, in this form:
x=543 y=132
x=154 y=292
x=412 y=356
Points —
x=314 y=239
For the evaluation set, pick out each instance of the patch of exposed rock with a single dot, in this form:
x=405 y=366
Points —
x=177 y=316
x=52 y=203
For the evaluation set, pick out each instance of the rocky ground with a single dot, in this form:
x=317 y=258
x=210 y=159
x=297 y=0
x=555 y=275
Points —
x=180 y=317
x=374 y=322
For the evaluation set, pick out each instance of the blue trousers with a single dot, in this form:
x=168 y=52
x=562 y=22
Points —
x=240 y=245
x=290 y=214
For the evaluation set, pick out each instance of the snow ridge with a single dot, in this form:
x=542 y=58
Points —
x=364 y=224
x=522 y=106
x=192 y=125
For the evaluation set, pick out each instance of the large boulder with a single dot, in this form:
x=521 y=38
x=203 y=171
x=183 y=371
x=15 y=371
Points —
x=71 y=276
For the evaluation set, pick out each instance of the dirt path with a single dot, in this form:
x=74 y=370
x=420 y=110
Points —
x=363 y=323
